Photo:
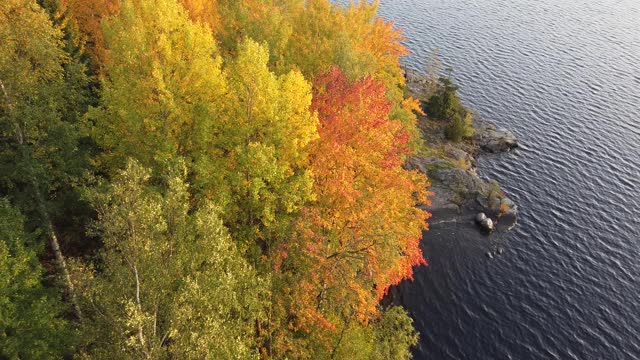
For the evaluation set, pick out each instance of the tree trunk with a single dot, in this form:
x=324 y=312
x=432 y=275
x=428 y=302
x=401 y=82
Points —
x=53 y=237
x=55 y=246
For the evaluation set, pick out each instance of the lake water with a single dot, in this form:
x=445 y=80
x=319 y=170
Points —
x=564 y=75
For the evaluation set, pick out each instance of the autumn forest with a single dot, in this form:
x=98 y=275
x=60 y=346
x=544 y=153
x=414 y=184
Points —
x=205 y=179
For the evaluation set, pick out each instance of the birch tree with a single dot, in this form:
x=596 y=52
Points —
x=174 y=284
x=39 y=153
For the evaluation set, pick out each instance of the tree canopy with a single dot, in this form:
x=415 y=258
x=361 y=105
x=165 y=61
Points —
x=205 y=179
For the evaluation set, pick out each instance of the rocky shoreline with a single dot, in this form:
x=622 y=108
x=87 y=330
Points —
x=459 y=194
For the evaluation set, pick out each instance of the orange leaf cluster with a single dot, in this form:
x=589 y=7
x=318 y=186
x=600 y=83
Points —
x=88 y=15
x=363 y=232
x=204 y=11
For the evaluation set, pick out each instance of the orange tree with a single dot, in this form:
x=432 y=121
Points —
x=361 y=235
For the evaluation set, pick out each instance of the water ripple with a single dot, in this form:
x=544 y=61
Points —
x=562 y=74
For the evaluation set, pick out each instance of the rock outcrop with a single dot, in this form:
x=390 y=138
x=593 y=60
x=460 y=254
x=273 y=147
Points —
x=458 y=193
x=492 y=139
x=461 y=193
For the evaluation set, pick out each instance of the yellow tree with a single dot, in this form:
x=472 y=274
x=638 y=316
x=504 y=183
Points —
x=163 y=79
x=258 y=169
x=314 y=35
x=245 y=131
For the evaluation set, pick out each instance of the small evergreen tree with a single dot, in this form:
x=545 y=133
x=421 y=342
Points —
x=445 y=103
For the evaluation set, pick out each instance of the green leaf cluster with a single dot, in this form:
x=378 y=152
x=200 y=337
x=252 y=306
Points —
x=32 y=325
x=171 y=282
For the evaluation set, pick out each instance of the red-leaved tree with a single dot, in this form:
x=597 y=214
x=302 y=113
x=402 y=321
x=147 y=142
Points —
x=361 y=235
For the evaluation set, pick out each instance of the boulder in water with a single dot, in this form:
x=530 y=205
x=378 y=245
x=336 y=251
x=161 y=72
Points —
x=487 y=224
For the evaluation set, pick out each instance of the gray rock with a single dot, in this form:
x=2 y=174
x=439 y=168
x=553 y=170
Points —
x=494 y=204
x=458 y=180
x=512 y=212
x=482 y=201
x=459 y=154
x=500 y=251
x=443 y=200
x=492 y=139
x=480 y=217
x=508 y=202
x=510 y=206
x=487 y=224
x=418 y=83
x=489 y=254
x=424 y=164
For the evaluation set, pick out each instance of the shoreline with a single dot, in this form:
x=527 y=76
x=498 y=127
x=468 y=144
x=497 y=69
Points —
x=459 y=194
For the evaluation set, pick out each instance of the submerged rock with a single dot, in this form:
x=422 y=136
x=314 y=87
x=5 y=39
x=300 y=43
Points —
x=508 y=215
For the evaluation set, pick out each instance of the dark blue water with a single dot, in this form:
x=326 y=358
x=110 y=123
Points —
x=564 y=75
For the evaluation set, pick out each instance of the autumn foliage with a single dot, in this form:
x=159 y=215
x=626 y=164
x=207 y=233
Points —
x=236 y=166
x=88 y=16
x=204 y=11
x=362 y=233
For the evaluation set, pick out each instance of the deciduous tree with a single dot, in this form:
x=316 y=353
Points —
x=362 y=233
x=262 y=160
x=162 y=82
x=88 y=16
x=174 y=283
x=205 y=11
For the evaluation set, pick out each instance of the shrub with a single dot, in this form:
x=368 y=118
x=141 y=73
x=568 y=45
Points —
x=459 y=129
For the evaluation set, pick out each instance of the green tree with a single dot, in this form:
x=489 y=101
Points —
x=172 y=284
x=31 y=323
x=445 y=103
x=394 y=335
x=41 y=100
